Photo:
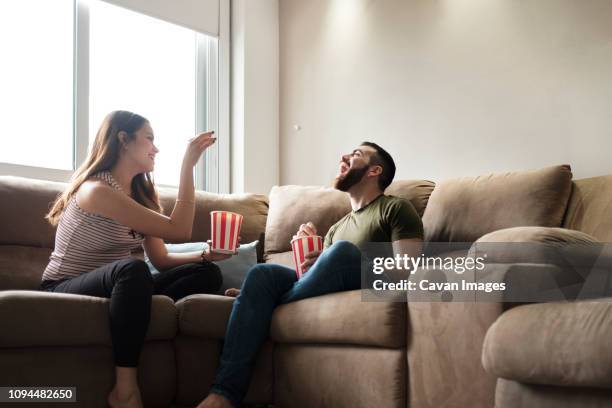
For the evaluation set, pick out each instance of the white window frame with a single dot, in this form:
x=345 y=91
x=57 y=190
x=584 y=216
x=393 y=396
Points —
x=212 y=104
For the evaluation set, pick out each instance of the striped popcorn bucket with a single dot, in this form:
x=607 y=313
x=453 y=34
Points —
x=225 y=231
x=303 y=246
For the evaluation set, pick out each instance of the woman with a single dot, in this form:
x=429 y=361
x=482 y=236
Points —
x=110 y=208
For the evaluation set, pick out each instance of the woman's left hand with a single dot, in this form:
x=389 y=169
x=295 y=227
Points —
x=215 y=256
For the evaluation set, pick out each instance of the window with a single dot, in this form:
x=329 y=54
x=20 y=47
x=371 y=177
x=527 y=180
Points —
x=36 y=81
x=122 y=60
x=150 y=67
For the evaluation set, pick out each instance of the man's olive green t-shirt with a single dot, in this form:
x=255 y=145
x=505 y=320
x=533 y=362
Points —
x=385 y=219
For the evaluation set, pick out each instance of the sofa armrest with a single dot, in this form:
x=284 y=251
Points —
x=562 y=344
x=341 y=318
x=576 y=262
x=538 y=234
x=32 y=318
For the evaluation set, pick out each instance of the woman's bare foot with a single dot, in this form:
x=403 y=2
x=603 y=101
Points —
x=132 y=400
x=215 y=400
x=232 y=292
x=125 y=393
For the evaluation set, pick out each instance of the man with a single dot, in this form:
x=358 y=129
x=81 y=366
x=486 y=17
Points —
x=364 y=174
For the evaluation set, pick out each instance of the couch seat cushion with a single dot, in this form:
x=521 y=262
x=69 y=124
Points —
x=341 y=318
x=32 y=318
x=334 y=318
x=204 y=315
x=563 y=344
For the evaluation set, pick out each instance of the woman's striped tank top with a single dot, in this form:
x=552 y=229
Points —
x=85 y=241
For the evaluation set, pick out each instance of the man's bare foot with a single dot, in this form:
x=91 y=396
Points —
x=124 y=401
x=232 y=292
x=215 y=400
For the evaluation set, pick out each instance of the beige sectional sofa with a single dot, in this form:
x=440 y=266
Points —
x=333 y=350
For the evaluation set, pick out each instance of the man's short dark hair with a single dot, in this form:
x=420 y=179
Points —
x=383 y=159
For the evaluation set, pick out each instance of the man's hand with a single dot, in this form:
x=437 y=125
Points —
x=306 y=230
x=309 y=260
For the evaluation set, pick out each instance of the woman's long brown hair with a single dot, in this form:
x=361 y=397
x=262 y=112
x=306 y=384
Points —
x=104 y=155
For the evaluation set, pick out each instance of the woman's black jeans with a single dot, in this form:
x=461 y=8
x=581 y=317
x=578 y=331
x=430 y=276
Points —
x=130 y=287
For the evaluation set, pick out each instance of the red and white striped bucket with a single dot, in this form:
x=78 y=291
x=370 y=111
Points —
x=303 y=246
x=225 y=231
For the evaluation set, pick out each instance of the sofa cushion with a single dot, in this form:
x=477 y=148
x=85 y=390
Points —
x=254 y=208
x=233 y=270
x=22 y=267
x=464 y=209
x=415 y=191
x=335 y=318
x=341 y=318
x=590 y=207
x=565 y=344
x=31 y=318
x=282 y=258
x=538 y=234
x=537 y=245
x=204 y=316
x=291 y=206
x=512 y=394
x=23 y=205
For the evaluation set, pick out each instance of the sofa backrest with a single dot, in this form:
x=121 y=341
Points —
x=23 y=205
x=464 y=209
x=293 y=205
x=253 y=207
x=26 y=238
x=415 y=191
x=590 y=207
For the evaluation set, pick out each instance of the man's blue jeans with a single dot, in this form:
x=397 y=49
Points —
x=265 y=287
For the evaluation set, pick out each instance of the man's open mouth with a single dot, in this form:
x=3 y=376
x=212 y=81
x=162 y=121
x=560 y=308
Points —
x=344 y=168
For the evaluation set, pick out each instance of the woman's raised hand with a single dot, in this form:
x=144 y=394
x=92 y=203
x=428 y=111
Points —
x=196 y=147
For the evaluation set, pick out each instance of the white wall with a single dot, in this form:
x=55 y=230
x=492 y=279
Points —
x=255 y=93
x=449 y=87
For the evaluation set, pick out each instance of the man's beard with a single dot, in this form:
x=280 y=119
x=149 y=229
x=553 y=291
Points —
x=352 y=177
